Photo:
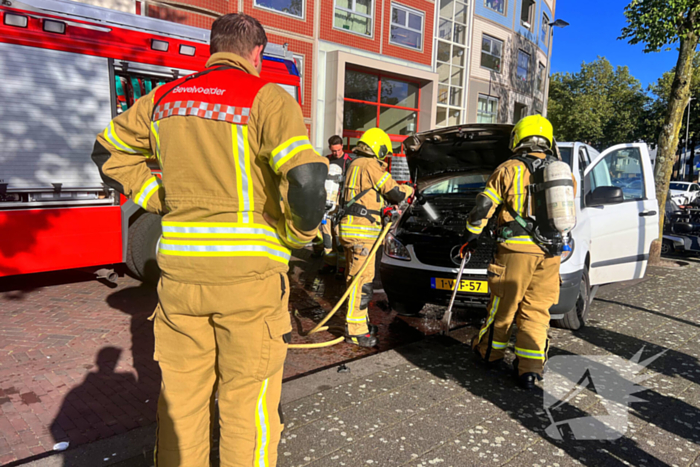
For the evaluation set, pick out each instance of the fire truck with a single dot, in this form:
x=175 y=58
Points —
x=67 y=69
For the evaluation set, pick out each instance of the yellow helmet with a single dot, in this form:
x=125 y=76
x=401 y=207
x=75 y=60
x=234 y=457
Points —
x=376 y=141
x=536 y=129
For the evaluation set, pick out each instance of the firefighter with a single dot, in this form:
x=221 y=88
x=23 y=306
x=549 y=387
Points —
x=241 y=186
x=367 y=186
x=523 y=278
x=333 y=251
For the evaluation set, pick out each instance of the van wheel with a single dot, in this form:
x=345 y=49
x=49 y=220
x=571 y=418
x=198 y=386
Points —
x=666 y=248
x=577 y=317
x=144 y=236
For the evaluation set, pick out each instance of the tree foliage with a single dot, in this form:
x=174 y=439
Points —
x=599 y=105
x=659 y=23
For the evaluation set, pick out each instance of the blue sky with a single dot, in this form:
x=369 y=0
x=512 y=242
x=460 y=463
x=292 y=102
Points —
x=595 y=27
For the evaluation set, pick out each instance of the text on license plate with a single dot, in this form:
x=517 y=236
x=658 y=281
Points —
x=464 y=286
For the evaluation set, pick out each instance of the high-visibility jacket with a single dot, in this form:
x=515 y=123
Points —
x=225 y=140
x=368 y=173
x=508 y=184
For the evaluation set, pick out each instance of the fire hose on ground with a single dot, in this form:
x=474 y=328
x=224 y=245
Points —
x=321 y=325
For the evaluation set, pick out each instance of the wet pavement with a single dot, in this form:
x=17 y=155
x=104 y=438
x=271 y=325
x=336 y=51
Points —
x=425 y=402
x=76 y=354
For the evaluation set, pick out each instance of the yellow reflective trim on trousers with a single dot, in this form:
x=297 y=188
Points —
x=147 y=190
x=499 y=345
x=353 y=180
x=285 y=151
x=520 y=240
x=351 y=304
x=495 y=197
x=492 y=315
x=526 y=353
x=262 y=427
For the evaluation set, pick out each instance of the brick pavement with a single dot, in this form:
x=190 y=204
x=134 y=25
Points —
x=76 y=354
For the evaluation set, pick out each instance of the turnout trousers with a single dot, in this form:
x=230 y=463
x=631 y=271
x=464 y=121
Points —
x=333 y=252
x=228 y=339
x=361 y=294
x=523 y=288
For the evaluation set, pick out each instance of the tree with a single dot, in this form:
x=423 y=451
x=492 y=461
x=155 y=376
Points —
x=657 y=24
x=599 y=105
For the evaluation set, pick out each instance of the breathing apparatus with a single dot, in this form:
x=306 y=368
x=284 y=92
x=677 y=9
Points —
x=551 y=190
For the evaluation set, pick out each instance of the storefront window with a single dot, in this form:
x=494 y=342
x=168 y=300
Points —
x=372 y=100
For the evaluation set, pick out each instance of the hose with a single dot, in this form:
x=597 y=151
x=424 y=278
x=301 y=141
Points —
x=320 y=326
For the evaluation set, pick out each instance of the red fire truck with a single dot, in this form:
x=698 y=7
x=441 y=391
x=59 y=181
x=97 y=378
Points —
x=66 y=69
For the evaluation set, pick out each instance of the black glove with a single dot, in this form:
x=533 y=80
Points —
x=471 y=243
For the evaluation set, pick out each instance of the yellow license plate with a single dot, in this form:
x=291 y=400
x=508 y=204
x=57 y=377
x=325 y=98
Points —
x=464 y=286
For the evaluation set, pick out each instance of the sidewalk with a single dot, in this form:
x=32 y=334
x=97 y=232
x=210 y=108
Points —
x=428 y=403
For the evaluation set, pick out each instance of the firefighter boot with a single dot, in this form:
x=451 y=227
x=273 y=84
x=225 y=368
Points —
x=526 y=380
x=365 y=340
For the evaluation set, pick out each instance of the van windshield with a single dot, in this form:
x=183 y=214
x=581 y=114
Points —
x=460 y=184
x=565 y=155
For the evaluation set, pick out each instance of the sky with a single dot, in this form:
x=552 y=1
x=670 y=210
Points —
x=594 y=28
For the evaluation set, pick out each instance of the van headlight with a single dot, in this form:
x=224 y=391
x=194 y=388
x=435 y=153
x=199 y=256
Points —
x=566 y=254
x=395 y=249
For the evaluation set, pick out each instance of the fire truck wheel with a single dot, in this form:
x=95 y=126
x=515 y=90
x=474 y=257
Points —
x=144 y=235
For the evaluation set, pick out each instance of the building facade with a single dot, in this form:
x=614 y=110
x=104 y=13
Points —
x=403 y=65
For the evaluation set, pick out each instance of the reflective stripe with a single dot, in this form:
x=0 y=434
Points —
x=220 y=230
x=519 y=189
x=520 y=240
x=111 y=135
x=499 y=345
x=244 y=186
x=351 y=305
x=475 y=229
x=495 y=197
x=156 y=135
x=287 y=150
x=381 y=181
x=525 y=353
x=356 y=235
x=353 y=180
x=369 y=228
x=223 y=248
x=492 y=315
x=293 y=239
x=261 y=423
x=151 y=186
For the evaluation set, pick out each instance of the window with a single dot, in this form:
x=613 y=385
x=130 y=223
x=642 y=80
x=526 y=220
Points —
x=499 y=6
x=523 y=65
x=540 y=77
x=299 y=62
x=406 y=27
x=354 y=16
x=491 y=53
x=527 y=14
x=378 y=101
x=288 y=7
x=520 y=112
x=544 y=34
x=488 y=109
x=621 y=168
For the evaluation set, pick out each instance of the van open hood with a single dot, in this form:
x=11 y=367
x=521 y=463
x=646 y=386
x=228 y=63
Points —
x=446 y=152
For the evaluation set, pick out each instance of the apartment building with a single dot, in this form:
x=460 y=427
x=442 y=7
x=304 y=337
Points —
x=402 y=65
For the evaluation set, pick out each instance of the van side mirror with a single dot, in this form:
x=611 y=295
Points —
x=605 y=195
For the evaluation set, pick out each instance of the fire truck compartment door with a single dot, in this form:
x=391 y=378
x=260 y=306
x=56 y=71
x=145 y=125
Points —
x=52 y=105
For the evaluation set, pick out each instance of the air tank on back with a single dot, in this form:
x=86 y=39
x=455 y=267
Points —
x=561 y=210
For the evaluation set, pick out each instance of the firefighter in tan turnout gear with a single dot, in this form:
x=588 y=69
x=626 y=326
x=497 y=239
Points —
x=368 y=186
x=524 y=275
x=241 y=186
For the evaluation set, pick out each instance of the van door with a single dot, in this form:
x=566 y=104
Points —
x=621 y=234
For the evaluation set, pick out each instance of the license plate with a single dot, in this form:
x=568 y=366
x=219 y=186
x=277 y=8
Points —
x=464 y=286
